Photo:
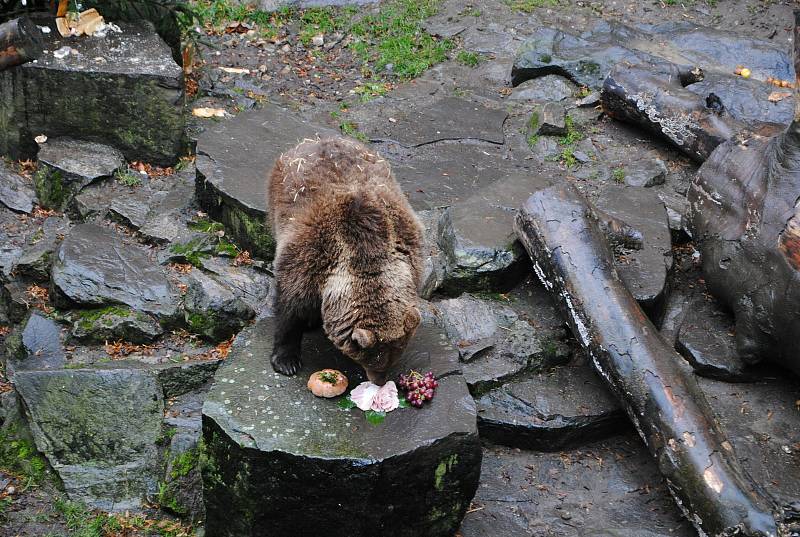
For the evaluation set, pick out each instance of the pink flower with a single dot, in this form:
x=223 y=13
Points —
x=363 y=394
x=386 y=399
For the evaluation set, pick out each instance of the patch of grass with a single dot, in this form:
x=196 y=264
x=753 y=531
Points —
x=529 y=6
x=216 y=14
x=573 y=135
x=322 y=20
x=349 y=128
x=128 y=178
x=394 y=36
x=618 y=174
x=370 y=90
x=226 y=248
x=83 y=522
x=206 y=226
x=533 y=124
x=470 y=59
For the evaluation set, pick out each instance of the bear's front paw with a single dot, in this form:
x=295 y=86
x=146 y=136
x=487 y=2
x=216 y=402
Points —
x=286 y=361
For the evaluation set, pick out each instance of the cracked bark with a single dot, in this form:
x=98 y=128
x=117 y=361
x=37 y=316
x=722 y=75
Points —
x=658 y=391
x=18 y=43
x=744 y=213
x=654 y=97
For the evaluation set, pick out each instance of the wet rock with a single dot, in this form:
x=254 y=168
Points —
x=95 y=266
x=114 y=323
x=501 y=337
x=552 y=119
x=592 y=100
x=525 y=493
x=706 y=339
x=233 y=160
x=132 y=207
x=38 y=347
x=477 y=238
x=212 y=310
x=565 y=407
x=16 y=300
x=587 y=59
x=36 y=258
x=182 y=378
x=67 y=165
x=98 y=430
x=760 y=420
x=163 y=222
x=248 y=283
x=646 y=173
x=547 y=88
x=644 y=271
x=16 y=192
x=434 y=262
x=450 y=118
x=124 y=90
x=257 y=423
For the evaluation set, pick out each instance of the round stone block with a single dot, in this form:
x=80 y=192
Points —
x=281 y=462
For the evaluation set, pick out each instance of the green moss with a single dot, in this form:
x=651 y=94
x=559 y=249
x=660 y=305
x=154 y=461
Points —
x=193 y=251
x=529 y=6
x=349 y=128
x=128 y=178
x=19 y=456
x=618 y=174
x=165 y=497
x=49 y=186
x=201 y=323
x=545 y=58
x=226 y=248
x=591 y=68
x=204 y=225
x=441 y=470
x=184 y=463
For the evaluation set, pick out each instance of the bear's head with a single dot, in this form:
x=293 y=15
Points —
x=372 y=319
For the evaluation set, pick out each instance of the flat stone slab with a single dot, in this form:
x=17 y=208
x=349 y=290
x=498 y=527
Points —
x=547 y=88
x=16 y=192
x=761 y=420
x=449 y=118
x=477 y=237
x=40 y=346
x=644 y=271
x=124 y=90
x=646 y=173
x=96 y=266
x=233 y=159
x=98 y=430
x=552 y=119
x=603 y=489
x=587 y=58
x=502 y=337
x=564 y=407
x=706 y=339
x=283 y=462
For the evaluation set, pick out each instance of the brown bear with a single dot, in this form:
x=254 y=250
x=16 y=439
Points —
x=348 y=254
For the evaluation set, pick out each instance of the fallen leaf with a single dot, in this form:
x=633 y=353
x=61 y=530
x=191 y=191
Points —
x=776 y=96
x=209 y=112
x=235 y=70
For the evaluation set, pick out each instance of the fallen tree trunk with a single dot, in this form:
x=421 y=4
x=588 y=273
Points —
x=18 y=43
x=744 y=213
x=660 y=395
x=654 y=97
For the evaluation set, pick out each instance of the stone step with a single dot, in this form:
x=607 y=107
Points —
x=124 y=90
x=565 y=407
x=282 y=462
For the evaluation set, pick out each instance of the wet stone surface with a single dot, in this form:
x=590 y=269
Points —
x=94 y=267
x=560 y=408
x=257 y=423
x=39 y=346
x=16 y=192
x=535 y=494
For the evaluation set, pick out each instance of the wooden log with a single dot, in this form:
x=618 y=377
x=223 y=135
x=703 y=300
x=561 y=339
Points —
x=659 y=393
x=654 y=97
x=18 y=43
x=744 y=214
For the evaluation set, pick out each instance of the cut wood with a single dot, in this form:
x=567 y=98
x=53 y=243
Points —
x=18 y=43
x=654 y=97
x=660 y=395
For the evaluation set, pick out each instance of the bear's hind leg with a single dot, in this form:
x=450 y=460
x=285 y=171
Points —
x=288 y=335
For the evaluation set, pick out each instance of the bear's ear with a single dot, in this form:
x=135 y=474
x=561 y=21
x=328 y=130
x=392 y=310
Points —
x=363 y=338
x=412 y=320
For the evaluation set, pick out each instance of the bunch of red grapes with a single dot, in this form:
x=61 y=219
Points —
x=418 y=387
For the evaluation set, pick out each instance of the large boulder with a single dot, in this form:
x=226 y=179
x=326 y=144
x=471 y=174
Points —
x=282 y=462
x=123 y=89
x=98 y=430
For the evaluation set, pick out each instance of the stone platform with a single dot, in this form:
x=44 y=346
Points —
x=283 y=462
x=124 y=90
